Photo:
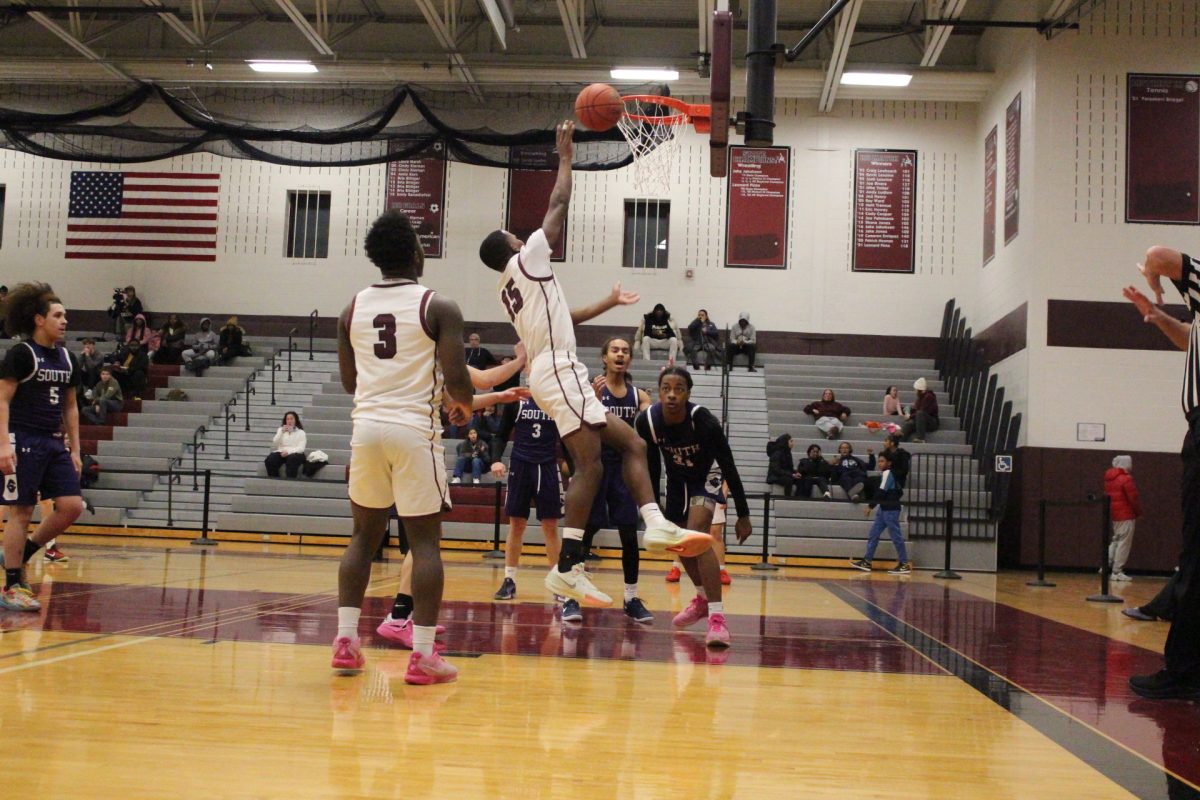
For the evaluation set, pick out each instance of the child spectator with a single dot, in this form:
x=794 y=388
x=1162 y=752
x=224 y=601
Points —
x=891 y=402
x=657 y=332
x=1126 y=507
x=471 y=451
x=104 y=397
x=829 y=415
x=887 y=515
x=289 y=445
x=814 y=471
x=171 y=341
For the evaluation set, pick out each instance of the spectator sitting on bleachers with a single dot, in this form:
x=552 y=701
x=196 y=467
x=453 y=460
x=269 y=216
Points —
x=492 y=420
x=171 y=341
x=891 y=402
x=781 y=469
x=104 y=397
x=288 y=447
x=477 y=356
x=230 y=342
x=851 y=471
x=90 y=363
x=204 y=346
x=471 y=452
x=923 y=416
x=813 y=470
x=829 y=414
x=475 y=423
x=657 y=332
x=141 y=332
x=742 y=341
x=132 y=368
x=703 y=337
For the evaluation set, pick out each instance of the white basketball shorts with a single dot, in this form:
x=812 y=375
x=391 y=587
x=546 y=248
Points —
x=559 y=383
x=401 y=464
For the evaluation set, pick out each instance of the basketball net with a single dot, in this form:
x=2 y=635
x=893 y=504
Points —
x=653 y=143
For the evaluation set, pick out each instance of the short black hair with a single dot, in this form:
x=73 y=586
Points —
x=24 y=303
x=884 y=456
x=392 y=243
x=495 y=251
x=812 y=447
x=678 y=371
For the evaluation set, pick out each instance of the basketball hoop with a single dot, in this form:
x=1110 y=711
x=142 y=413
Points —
x=649 y=125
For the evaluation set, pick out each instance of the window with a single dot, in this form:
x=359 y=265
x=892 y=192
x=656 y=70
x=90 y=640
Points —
x=647 y=225
x=308 y=224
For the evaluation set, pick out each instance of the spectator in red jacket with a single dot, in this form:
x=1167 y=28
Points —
x=1126 y=507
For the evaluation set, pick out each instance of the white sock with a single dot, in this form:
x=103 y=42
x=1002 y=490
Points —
x=423 y=636
x=720 y=566
x=716 y=608
x=652 y=515
x=630 y=591
x=510 y=572
x=348 y=621
x=51 y=544
x=677 y=564
x=701 y=593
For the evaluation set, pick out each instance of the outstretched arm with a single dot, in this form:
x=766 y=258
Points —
x=494 y=376
x=560 y=196
x=1172 y=328
x=445 y=323
x=615 y=298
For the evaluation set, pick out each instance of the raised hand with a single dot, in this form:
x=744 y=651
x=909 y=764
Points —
x=1155 y=282
x=499 y=470
x=621 y=298
x=564 y=141
x=1144 y=306
x=598 y=384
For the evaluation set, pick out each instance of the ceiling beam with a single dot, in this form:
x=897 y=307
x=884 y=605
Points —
x=572 y=14
x=936 y=37
x=175 y=23
x=73 y=43
x=300 y=21
x=842 y=37
x=496 y=16
x=444 y=31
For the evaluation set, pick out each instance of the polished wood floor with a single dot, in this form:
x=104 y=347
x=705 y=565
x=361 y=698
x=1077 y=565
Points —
x=159 y=670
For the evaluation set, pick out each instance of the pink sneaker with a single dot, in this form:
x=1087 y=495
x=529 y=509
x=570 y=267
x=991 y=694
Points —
x=718 y=634
x=400 y=631
x=347 y=654
x=424 y=670
x=696 y=611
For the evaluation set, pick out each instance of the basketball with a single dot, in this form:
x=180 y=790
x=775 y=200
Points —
x=599 y=107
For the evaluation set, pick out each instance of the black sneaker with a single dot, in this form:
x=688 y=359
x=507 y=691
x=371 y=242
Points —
x=592 y=557
x=861 y=564
x=507 y=590
x=636 y=610
x=571 y=612
x=1163 y=686
x=903 y=568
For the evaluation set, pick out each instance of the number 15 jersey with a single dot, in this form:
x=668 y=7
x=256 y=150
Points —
x=534 y=300
x=395 y=354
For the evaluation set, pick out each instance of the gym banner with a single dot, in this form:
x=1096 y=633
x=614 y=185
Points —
x=989 y=195
x=756 y=207
x=417 y=186
x=529 y=186
x=1162 y=149
x=1012 y=169
x=885 y=191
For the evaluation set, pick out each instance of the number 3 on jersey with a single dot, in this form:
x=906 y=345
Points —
x=385 y=348
x=510 y=295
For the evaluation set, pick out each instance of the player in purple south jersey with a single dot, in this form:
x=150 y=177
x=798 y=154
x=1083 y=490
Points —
x=37 y=405
x=614 y=506
x=534 y=481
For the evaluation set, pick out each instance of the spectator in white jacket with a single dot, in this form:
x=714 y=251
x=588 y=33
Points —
x=288 y=447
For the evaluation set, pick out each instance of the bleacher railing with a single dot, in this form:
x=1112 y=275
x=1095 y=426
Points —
x=935 y=478
x=312 y=329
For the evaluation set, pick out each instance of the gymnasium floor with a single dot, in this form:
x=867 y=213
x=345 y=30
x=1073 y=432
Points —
x=159 y=670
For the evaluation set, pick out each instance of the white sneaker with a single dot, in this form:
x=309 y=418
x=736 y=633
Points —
x=675 y=539
x=575 y=585
x=456 y=480
x=476 y=480
x=1121 y=577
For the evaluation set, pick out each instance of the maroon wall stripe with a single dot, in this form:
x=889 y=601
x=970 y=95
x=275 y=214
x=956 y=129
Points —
x=1006 y=336
x=1104 y=325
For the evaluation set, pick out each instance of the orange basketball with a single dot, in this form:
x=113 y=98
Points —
x=598 y=107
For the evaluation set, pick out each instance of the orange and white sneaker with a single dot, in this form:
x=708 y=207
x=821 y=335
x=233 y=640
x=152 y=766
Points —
x=674 y=574
x=674 y=539
x=574 y=585
x=725 y=579
x=718 y=633
x=425 y=670
x=696 y=611
x=347 y=654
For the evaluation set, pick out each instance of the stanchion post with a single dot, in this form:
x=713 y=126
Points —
x=1041 y=578
x=170 y=493
x=203 y=538
x=1106 y=567
x=765 y=565
x=312 y=325
x=947 y=573
x=496 y=552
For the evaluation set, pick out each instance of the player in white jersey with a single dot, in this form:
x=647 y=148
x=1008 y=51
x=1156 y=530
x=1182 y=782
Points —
x=400 y=353
x=537 y=308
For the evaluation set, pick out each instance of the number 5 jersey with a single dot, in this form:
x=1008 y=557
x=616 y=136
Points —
x=46 y=377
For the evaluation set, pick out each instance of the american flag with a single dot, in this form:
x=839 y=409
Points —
x=145 y=216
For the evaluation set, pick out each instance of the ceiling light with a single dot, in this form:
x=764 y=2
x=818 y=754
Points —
x=643 y=74
x=875 y=78
x=282 y=66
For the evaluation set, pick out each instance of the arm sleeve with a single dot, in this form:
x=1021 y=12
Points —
x=277 y=441
x=637 y=337
x=301 y=441
x=18 y=363
x=535 y=256
x=714 y=440
x=1189 y=268
x=508 y=421
x=810 y=409
x=653 y=457
x=76 y=370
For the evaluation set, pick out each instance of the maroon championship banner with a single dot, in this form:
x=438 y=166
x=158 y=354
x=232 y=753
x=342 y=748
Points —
x=1012 y=169
x=417 y=186
x=529 y=186
x=1162 y=149
x=885 y=191
x=756 y=206
x=989 y=196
